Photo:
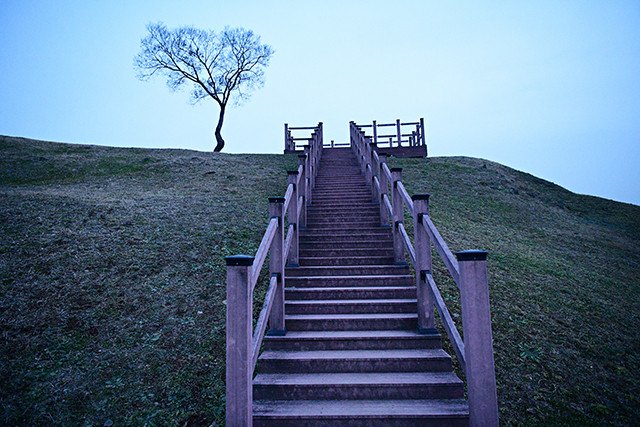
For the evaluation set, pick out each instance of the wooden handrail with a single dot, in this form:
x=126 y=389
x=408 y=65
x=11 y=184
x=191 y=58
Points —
x=407 y=243
x=475 y=353
x=243 y=344
x=442 y=248
x=416 y=137
x=263 y=250
x=261 y=325
x=405 y=197
x=447 y=321
x=289 y=240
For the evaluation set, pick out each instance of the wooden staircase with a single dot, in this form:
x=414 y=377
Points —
x=352 y=355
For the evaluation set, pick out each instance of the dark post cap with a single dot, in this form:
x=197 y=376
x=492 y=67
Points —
x=471 y=255
x=420 y=197
x=239 y=260
x=396 y=169
x=276 y=199
x=292 y=172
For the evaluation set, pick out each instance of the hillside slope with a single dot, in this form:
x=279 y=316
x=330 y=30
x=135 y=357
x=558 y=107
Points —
x=112 y=282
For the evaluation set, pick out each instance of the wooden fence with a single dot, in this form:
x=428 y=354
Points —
x=468 y=269
x=400 y=139
x=293 y=144
x=243 y=345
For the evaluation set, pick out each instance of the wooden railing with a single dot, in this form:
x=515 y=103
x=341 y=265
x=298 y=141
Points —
x=293 y=144
x=468 y=269
x=390 y=135
x=243 y=345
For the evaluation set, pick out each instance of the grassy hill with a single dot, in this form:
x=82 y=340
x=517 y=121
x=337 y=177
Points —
x=112 y=282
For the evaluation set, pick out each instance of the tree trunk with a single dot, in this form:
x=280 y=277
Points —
x=219 y=139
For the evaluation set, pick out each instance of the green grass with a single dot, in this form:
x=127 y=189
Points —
x=564 y=282
x=112 y=282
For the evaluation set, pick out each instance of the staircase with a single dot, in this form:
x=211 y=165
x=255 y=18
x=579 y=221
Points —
x=352 y=355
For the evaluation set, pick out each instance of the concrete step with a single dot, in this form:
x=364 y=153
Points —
x=361 y=413
x=333 y=293
x=351 y=322
x=357 y=281
x=351 y=340
x=351 y=306
x=347 y=270
x=355 y=361
x=316 y=386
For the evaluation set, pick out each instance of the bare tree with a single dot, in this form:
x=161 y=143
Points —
x=223 y=66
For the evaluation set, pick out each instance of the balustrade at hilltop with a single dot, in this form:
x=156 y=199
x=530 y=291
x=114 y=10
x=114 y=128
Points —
x=398 y=139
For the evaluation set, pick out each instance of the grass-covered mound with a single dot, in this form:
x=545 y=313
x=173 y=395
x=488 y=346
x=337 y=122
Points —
x=112 y=282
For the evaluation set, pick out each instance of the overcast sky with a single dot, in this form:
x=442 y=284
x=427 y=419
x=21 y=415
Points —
x=550 y=88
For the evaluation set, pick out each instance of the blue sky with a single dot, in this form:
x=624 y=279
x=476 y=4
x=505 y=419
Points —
x=550 y=88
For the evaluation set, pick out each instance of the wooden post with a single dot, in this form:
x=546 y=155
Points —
x=286 y=137
x=384 y=189
x=399 y=131
x=375 y=133
x=307 y=174
x=424 y=137
x=478 y=340
x=239 y=392
x=302 y=191
x=426 y=319
x=368 y=171
x=375 y=171
x=276 y=263
x=396 y=204
x=293 y=260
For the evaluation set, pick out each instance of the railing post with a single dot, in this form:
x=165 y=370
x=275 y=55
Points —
x=375 y=171
x=302 y=190
x=424 y=138
x=384 y=189
x=368 y=171
x=308 y=173
x=399 y=131
x=396 y=204
x=292 y=260
x=478 y=340
x=426 y=319
x=286 y=137
x=375 y=133
x=276 y=263
x=239 y=393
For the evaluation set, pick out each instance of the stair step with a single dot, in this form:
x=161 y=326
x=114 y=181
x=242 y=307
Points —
x=390 y=280
x=351 y=243
x=374 y=231
x=371 y=292
x=343 y=252
x=361 y=413
x=351 y=340
x=354 y=306
x=346 y=270
x=351 y=322
x=374 y=385
x=345 y=261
